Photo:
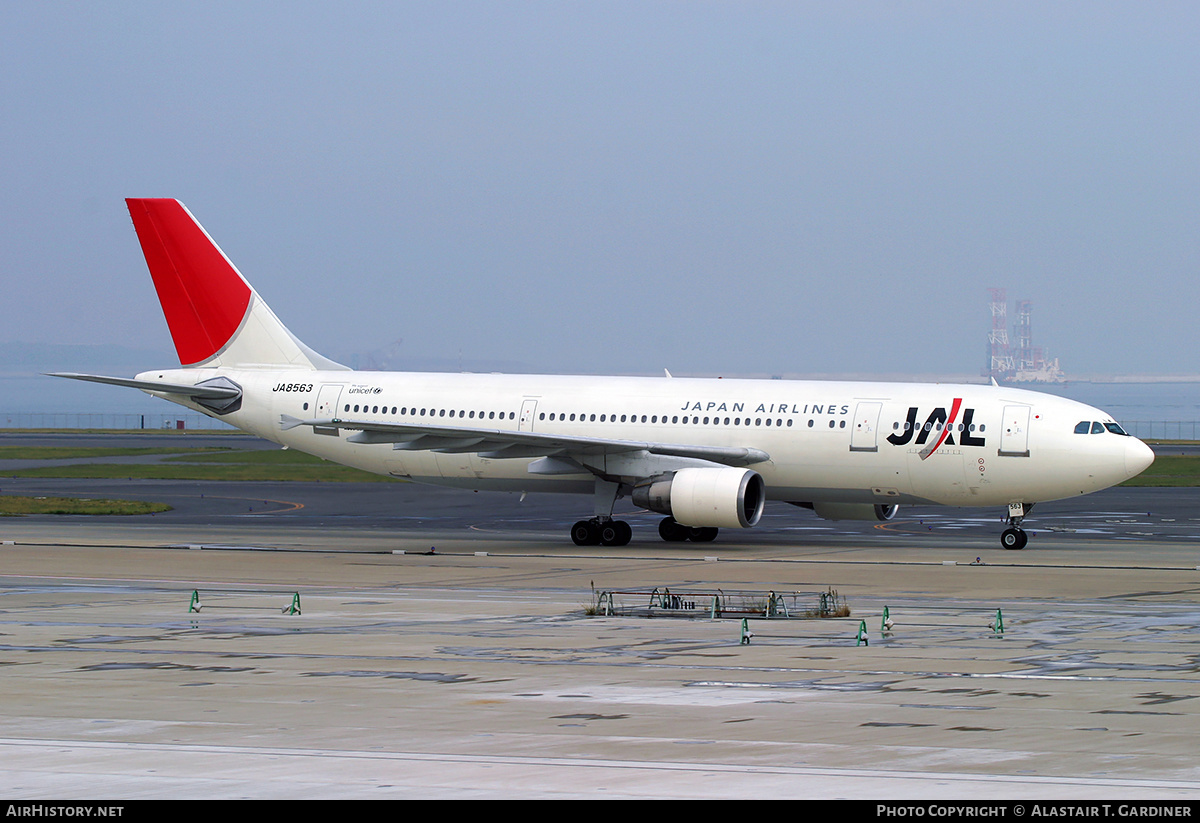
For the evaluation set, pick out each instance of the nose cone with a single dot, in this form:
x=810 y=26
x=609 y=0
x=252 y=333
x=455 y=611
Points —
x=1138 y=457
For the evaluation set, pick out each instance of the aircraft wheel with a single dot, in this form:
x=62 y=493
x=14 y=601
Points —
x=702 y=535
x=1014 y=539
x=671 y=531
x=585 y=533
x=616 y=533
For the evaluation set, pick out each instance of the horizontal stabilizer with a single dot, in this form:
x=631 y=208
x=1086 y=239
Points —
x=201 y=392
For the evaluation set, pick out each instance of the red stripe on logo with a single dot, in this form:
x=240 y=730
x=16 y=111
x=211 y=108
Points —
x=945 y=429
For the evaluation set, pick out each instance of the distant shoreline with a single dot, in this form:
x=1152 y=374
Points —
x=1137 y=378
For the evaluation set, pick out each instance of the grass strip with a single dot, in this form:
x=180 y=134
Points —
x=277 y=465
x=69 y=452
x=16 y=506
x=1169 y=471
x=321 y=472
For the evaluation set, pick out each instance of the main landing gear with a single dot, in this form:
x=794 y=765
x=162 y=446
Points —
x=1014 y=536
x=608 y=532
x=601 y=531
x=674 y=532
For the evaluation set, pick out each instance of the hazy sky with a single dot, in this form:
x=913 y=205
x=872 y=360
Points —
x=736 y=188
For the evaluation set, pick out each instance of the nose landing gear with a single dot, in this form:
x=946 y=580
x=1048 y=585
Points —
x=1014 y=536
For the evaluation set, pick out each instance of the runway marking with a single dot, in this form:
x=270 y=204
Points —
x=874 y=776
x=291 y=506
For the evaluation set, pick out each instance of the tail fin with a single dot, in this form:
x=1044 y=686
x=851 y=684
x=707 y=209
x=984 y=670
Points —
x=215 y=317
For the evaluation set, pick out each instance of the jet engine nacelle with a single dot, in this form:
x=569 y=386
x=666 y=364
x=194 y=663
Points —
x=705 y=498
x=854 y=511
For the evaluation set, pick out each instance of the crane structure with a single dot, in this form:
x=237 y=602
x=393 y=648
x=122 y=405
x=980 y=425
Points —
x=1017 y=360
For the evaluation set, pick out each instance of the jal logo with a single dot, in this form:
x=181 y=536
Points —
x=942 y=425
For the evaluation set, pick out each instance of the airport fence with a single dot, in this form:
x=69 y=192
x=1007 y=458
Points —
x=1163 y=429
x=185 y=421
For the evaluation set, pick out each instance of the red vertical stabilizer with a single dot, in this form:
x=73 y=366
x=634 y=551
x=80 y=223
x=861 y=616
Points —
x=203 y=295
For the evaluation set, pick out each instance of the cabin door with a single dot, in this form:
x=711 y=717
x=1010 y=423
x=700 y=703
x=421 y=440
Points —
x=1014 y=431
x=527 y=410
x=327 y=400
x=865 y=431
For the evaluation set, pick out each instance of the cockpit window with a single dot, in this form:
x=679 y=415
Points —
x=1085 y=426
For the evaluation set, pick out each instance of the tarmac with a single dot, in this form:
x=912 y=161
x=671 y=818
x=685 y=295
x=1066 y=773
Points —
x=472 y=665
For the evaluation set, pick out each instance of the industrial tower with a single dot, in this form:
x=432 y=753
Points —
x=1022 y=363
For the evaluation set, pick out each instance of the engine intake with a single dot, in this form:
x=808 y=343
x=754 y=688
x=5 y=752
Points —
x=729 y=498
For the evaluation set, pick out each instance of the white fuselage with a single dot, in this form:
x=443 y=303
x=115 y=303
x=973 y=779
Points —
x=827 y=441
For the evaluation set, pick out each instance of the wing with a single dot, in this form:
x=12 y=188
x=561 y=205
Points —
x=562 y=452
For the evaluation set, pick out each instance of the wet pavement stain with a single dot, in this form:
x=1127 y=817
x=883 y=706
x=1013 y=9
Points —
x=882 y=725
x=112 y=667
x=427 y=677
x=1158 y=698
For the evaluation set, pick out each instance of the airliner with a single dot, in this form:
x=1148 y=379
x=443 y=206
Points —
x=706 y=453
